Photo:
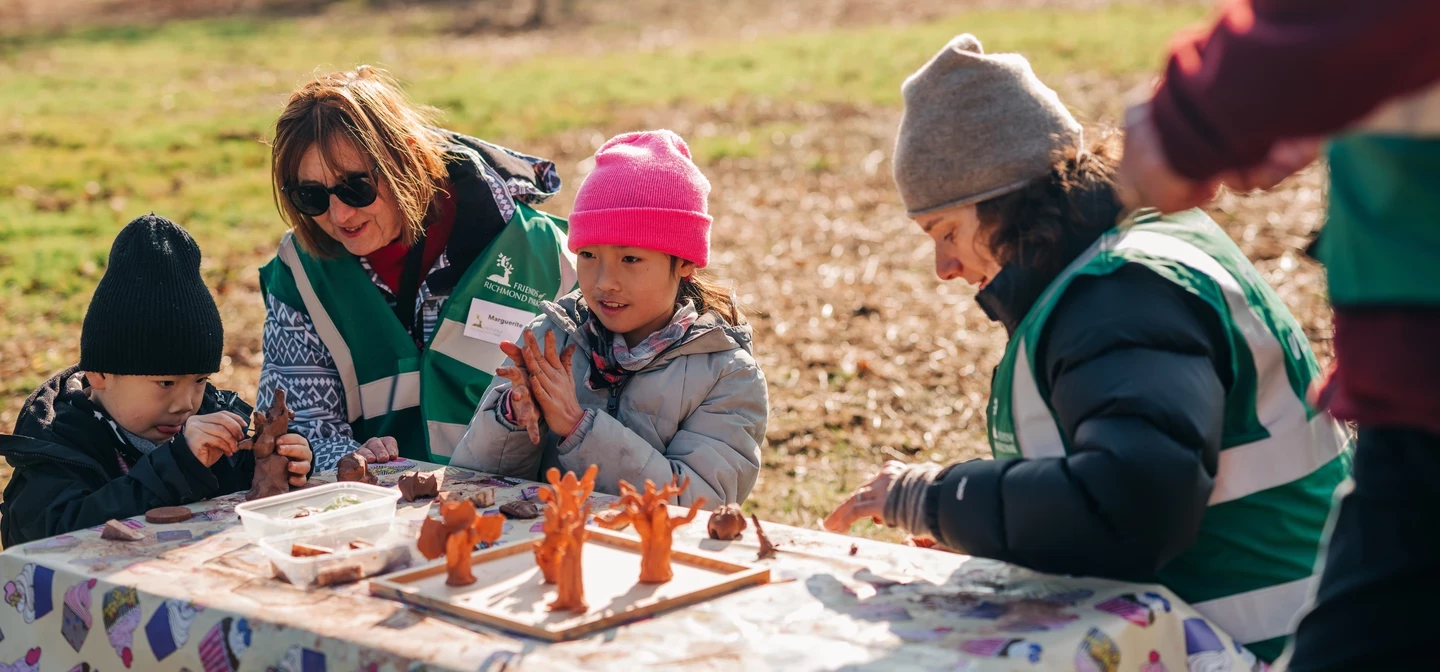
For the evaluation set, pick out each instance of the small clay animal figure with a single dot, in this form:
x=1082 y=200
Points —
x=164 y=515
x=726 y=523
x=767 y=549
x=520 y=509
x=353 y=468
x=650 y=514
x=483 y=498
x=117 y=531
x=272 y=470
x=415 y=485
x=455 y=536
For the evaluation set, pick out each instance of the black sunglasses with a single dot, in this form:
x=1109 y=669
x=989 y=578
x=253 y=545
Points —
x=356 y=191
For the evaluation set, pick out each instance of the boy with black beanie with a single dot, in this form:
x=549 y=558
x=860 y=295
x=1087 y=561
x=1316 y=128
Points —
x=136 y=424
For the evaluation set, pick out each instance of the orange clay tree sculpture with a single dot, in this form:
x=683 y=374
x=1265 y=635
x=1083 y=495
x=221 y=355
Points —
x=559 y=553
x=650 y=515
x=455 y=536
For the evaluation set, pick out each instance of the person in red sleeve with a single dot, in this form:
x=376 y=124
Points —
x=1243 y=104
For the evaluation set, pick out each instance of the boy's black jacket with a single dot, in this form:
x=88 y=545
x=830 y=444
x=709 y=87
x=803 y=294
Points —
x=66 y=456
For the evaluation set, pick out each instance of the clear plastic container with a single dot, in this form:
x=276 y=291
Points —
x=392 y=548
x=276 y=516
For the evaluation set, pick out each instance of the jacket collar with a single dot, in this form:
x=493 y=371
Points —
x=1013 y=292
x=710 y=333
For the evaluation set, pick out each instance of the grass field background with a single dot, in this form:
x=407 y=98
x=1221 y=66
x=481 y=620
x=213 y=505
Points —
x=790 y=110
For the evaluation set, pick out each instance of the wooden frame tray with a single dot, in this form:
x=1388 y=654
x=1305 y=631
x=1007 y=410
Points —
x=510 y=594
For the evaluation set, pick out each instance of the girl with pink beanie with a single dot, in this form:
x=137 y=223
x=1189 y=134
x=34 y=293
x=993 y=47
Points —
x=647 y=370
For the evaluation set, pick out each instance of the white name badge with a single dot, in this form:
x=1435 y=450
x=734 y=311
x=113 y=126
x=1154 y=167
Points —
x=495 y=323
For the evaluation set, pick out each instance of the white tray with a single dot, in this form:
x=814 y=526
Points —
x=274 y=516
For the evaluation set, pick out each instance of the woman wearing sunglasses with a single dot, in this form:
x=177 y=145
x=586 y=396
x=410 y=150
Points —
x=413 y=252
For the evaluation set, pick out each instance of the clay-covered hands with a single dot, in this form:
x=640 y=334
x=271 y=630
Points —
x=377 y=449
x=522 y=402
x=1145 y=178
x=551 y=383
x=213 y=435
x=297 y=449
x=868 y=500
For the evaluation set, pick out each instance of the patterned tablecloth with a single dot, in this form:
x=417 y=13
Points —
x=198 y=596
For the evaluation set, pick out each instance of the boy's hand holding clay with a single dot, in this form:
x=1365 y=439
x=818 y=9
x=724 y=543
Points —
x=214 y=435
x=297 y=449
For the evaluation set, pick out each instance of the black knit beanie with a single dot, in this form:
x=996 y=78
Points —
x=152 y=314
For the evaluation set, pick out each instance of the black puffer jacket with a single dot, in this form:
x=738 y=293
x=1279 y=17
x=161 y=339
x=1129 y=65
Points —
x=67 y=467
x=1138 y=370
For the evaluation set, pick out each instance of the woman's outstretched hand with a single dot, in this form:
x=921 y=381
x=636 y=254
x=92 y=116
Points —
x=868 y=500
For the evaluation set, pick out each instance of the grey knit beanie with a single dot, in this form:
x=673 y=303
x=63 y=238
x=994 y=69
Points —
x=976 y=126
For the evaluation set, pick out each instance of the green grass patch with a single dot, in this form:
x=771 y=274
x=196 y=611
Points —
x=100 y=125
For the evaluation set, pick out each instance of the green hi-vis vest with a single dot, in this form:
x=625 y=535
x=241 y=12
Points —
x=1250 y=570
x=1382 y=232
x=425 y=398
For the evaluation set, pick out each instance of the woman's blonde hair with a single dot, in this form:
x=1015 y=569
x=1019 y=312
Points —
x=365 y=108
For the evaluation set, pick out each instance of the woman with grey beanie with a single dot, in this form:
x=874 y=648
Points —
x=1148 y=419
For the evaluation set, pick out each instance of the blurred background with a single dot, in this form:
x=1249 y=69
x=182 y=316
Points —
x=110 y=109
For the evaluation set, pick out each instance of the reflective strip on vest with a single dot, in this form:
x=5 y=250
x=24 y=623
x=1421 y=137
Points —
x=1258 y=615
x=1297 y=445
x=324 y=327
x=379 y=398
x=444 y=436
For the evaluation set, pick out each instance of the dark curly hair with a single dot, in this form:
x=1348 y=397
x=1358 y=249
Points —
x=1031 y=226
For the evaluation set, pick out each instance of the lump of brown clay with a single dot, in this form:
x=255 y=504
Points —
x=612 y=519
x=117 y=531
x=484 y=498
x=164 y=515
x=520 y=509
x=349 y=572
x=726 y=523
x=353 y=468
x=272 y=470
x=767 y=549
x=308 y=551
x=415 y=485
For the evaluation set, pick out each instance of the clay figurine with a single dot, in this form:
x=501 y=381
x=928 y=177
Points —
x=164 y=515
x=650 y=514
x=559 y=553
x=520 y=509
x=272 y=470
x=117 y=531
x=353 y=468
x=484 y=498
x=415 y=485
x=612 y=519
x=726 y=523
x=308 y=551
x=455 y=536
x=767 y=549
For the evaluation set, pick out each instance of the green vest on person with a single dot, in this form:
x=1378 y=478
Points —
x=424 y=398
x=1381 y=240
x=1251 y=569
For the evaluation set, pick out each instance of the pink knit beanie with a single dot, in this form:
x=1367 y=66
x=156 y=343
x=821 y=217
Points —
x=644 y=192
